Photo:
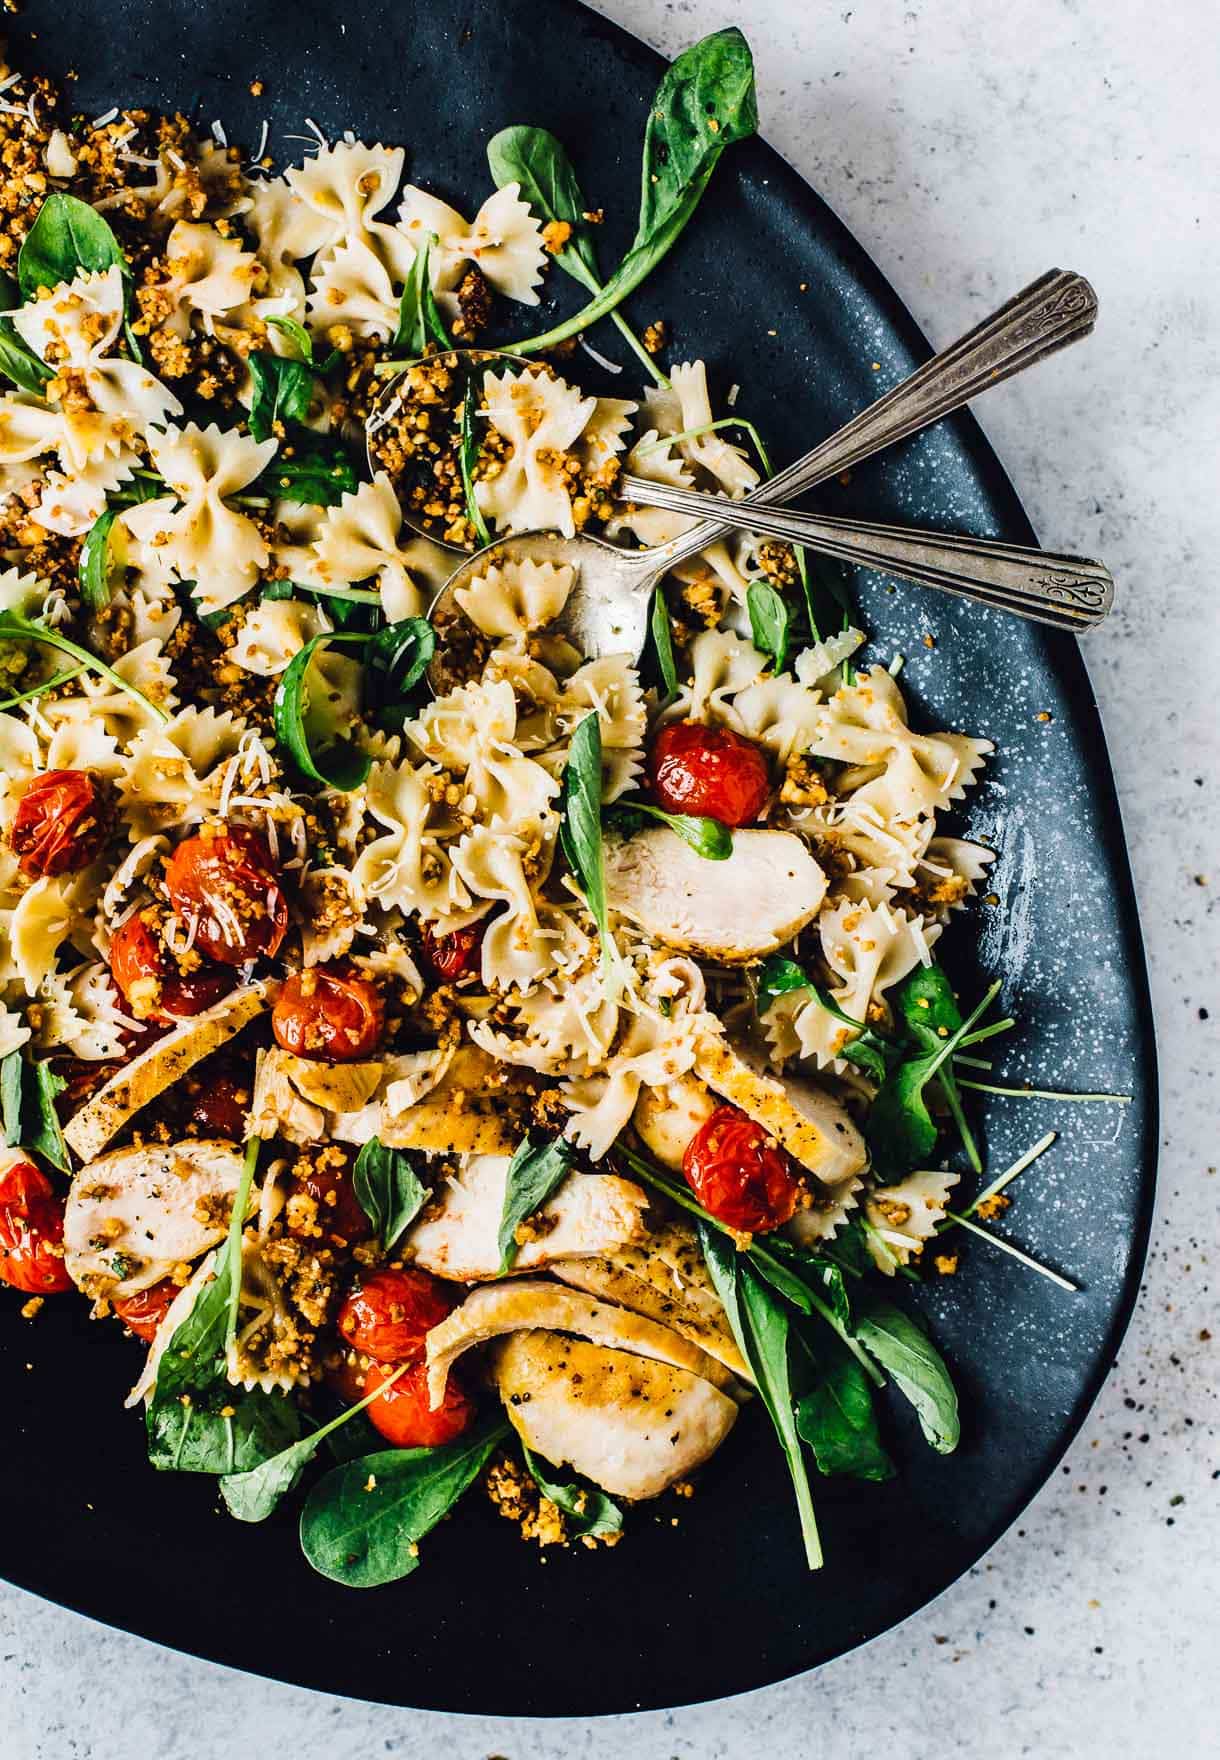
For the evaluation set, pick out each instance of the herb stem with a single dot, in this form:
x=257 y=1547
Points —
x=237 y=1223
x=47 y=684
x=1014 y=1252
x=21 y=630
x=989 y=1032
x=1043 y=1093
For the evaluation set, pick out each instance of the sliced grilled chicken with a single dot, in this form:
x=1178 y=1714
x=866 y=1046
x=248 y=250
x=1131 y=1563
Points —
x=631 y=1425
x=464 y=1114
x=458 y=1239
x=666 y=1279
x=667 y=1118
x=738 y=909
x=300 y=1098
x=89 y=1130
x=132 y=1215
x=812 y=1127
x=517 y=1307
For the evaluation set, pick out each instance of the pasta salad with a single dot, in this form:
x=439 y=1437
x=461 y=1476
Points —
x=513 y=1082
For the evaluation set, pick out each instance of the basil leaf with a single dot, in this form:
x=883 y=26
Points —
x=297 y=333
x=533 y=1174
x=586 y=1509
x=318 y=478
x=395 y=659
x=468 y=454
x=918 y=1370
x=710 y=838
x=388 y=1190
x=580 y=832
x=18 y=361
x=419 y=321
x=663 y=643
x=837 y=1417
x=362 y=1523
x=704 y=104
x=67 y=239
x=101 y=567
x=306 y=723
x=12 y=1088
x=760 y=1324
x=283 y=391
x=45 y=1135
x=769 y=623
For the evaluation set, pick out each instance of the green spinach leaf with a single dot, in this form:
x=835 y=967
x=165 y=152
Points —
x=362 y=1522
x=761 y=1324
x=533 y=1174
x=468 y=454
x=28 y=1088
x=769 y=623
x=586 y=1510
x=704 y=104
x=419 y=321
x=395 y=660
x=900 y=1130
x=918 y=1370
x=69 y=238
x=283 y=391
x=18 y=361
x=580 y=832
x=388 y=1190
x=661 y=631
x=309 y=724
x=836 y=1417
x=102 y=567
x=318 y=477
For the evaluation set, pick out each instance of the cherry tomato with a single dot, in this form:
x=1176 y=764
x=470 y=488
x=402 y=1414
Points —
x=710 y=771
x=220 y=1106
x=61 y=822
x=738 y=1174
x=328 y=1012
x=449 y=956
x=31 y=1230
x=152 y=986
x=389 y=1315
x=338 y=1211
x=402 y=1413
x=143 y=1312
x=226 y=880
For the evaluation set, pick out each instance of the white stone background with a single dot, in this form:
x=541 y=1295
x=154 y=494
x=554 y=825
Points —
x=969 y=144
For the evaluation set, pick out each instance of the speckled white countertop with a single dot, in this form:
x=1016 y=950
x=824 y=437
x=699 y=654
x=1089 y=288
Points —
x=969 y=144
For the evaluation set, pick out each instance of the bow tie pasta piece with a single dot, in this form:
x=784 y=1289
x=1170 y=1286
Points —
x=655 y=460
x=504 y=241
x=69 y=505
x=541 y=419
x=356 y=288
x=42 y=921
x=208 y=542
x=513 y=598
x=902 y=1217
x=406 y=865
x=360 y=539
x=501 y=867
x=654 y=1051
x=345 y=186
x=274 y=632
x=900 y=773
x=29 y=428
x=204 y=274
x=176 y=774
x=953 y=870
x=685 y=408
x=286 y=229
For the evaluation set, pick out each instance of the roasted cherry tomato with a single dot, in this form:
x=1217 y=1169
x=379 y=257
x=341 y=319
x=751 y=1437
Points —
x=219 y=1108
x=449 y=956
x=739 y=1175
x=328 y=1012
x=390 y=1313
x=61 y=822
x=31 y=1232
x=143 y=1312
x=337 y=1211
x=224 y=881
x=402 y=1413
x=152 y=986
x=709 y=771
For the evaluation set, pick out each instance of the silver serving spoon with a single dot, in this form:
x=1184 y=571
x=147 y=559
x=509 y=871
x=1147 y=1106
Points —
x=607 y=610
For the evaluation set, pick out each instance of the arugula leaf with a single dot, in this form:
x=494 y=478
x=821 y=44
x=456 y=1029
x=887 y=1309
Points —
x=580 y=832
x=305 y=721
x=537 y=162
x=303 y=342
x=12 y=1088
x=709 y=838
x=868 y=1050
x=101 y=567
x=67 y=239
x=586 y=1509
x=899 y=1128
x=533 y=1174
x=704 y=104
x=661 y=632
x=419 y=321
x=918 y=1369
x=388 y=1190
x=283 y=391
x=837 y=1417
x=761 y=1326
x=45 y=1135
x=395 y=660
x=18 y=361
x=468 y=453
x=362 y=1523
x=319 y=478
x=929 y=1010
x=769 y=623
x=15 y=628
x=252 y=1496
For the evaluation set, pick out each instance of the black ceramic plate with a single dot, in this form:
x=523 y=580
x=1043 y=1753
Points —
x=771 y=289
